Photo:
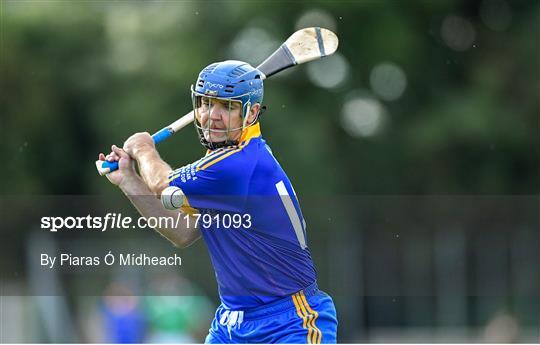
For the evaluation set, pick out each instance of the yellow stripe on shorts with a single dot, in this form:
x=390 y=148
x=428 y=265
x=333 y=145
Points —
x=317 y=337
x=301 y=311
x=298 y=311
x=309 y=316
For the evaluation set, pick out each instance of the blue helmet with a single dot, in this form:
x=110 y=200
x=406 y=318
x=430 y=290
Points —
x=231 y=79
x=228 y=81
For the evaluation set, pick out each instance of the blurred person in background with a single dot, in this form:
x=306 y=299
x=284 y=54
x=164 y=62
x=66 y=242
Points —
x=122 y=315
x=177 y=312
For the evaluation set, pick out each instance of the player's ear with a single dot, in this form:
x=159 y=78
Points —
x=253 y=112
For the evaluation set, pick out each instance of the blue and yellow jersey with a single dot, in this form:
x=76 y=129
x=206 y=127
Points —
x=257 y=234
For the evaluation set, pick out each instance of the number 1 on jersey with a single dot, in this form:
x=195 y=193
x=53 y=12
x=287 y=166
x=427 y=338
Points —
x=293 y=215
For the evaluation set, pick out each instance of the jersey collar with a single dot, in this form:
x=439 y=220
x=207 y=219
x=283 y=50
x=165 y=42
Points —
x=251 y=132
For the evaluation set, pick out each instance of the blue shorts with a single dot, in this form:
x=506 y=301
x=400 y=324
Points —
x=307 y=317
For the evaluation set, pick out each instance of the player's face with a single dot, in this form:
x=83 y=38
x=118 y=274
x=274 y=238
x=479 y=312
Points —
x=221 y=120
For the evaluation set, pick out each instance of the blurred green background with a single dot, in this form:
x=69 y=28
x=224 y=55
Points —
x=422 y=98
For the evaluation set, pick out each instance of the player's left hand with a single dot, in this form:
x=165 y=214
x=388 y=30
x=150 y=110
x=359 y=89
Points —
x=139 y=143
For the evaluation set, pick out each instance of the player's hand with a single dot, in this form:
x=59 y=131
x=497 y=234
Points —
x=139 y=143
x=126 y=165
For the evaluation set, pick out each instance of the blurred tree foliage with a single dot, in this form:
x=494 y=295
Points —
x=78 y=76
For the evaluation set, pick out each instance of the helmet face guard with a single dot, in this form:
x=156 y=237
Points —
x=214 y=137
x=233 y=86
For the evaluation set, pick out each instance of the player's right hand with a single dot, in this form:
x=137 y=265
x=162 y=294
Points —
x=126 y=165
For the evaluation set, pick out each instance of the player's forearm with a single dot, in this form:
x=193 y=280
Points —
x=154 y=171
x=147 y=205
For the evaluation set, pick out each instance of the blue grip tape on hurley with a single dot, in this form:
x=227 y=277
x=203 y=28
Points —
x=158 y=137
x=163 y=134
x=111 y=165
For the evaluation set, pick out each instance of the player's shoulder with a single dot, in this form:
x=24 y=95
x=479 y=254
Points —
x=220 y=164
x=227 y=163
